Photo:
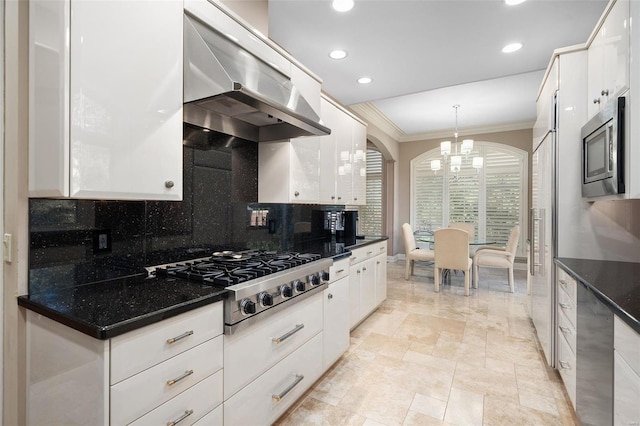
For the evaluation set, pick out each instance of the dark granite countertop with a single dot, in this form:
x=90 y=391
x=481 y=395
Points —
x=106 y=309
x=617 y=284
x=115 y=306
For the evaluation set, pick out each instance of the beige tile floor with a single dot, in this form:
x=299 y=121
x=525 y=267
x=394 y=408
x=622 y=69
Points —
x=426 y=358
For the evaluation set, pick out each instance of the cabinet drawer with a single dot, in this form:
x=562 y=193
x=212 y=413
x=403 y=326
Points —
x=303 y=366
x=191 y=405
x=251 y=352
x=567 y=368
x=141 y=393
x=566 y=329
x=214 y=418
x=339 y=269
x=567 y=284
x=627 y=342
x=567 y=306
x=140 y=349
x=363 y=253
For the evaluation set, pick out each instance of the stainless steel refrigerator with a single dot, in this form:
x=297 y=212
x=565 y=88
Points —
x=542 y=235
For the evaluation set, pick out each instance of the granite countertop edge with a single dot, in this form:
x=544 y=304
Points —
x=630 y=318
x=112 y=330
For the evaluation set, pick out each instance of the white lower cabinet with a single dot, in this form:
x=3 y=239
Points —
x=267 y=397
x=75 y=379
x=626 y=375
x=566 y=334
x=367 y=281
x=336 y=314
x=141 y=393
x=252 y=351
x=189 y=406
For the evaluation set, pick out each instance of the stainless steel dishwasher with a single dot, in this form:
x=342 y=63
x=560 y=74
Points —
x=594 y=359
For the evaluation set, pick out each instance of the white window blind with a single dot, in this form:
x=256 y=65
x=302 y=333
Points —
x=492 y=198
x=370 y=216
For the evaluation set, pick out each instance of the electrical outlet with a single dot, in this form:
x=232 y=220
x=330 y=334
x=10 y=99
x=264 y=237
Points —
x=102 y=241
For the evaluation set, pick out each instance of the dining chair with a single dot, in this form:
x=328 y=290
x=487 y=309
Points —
x=452 y=252
x=465 y=226
x=412 y=252
x=498 y=257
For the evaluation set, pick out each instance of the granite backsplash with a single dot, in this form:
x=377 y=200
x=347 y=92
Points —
x=77 y=242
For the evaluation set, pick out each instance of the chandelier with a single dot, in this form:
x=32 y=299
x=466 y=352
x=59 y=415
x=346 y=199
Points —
x=456 y=159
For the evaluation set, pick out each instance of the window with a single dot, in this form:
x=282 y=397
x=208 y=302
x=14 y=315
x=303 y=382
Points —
x=370 y=216
x=493 y=198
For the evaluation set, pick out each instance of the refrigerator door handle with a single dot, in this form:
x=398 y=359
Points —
x=532 y=243
x=541 y=241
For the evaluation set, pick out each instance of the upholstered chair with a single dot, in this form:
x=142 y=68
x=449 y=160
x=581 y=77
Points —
x=498 y=257
x=412 y=252
x=452 y=252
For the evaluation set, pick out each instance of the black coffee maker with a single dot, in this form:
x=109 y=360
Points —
x=343 y=225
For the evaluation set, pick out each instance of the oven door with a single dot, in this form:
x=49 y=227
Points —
x=597 y=149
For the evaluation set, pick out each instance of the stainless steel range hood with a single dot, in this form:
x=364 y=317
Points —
x=231 y=91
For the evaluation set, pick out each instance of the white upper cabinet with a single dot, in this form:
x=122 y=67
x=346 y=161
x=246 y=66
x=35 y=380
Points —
x=318 y=169
x=105 y=102
x=608 y=58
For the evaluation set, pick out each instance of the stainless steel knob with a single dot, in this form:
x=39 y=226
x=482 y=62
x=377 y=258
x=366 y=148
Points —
x=297 y=193
x=169 y=184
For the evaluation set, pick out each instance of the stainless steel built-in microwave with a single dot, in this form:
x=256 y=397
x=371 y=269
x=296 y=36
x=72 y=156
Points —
x=603 y=141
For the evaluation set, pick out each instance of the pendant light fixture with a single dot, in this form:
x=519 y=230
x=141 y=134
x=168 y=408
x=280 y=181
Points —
x=455 y=160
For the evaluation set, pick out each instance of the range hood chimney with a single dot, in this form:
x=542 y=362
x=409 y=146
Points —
x=231 y=91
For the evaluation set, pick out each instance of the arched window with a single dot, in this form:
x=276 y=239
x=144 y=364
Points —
x=493 y=198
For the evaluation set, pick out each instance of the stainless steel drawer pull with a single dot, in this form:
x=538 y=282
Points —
x=330 y=296
x=565 y=365
x=278 y=397
x=369 y=252
x=564 y=306
x=339 y=271
x=180 y=337
x=563 y=282
x=181 y=418
x=278 y=340
x=177 y=379
x=565 y=330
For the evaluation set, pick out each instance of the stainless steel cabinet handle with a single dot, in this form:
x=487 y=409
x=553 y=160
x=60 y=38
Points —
x=339 y=271
x=330 y=296
x=564 y=306
x=180 y=337
x=181 y=418
x=563 y=282
x=565 y=329
x=364 y=269
x=168 y=184
x=278 y=340
x=596 y=101
x=605 y=92
x=181 y=377
x=378 y=262
x=333 y=197
x=565 y=365
x=355 y=198
x=339 y=198
x=278 y=397
x=369 y=252
x=297 y=193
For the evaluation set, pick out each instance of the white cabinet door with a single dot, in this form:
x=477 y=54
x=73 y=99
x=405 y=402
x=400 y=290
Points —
x=367 y=287
x=107 y=102
x=344 y=158
x=608 y=58
x=626 y=393
x=359 y=170
x=305 y=170
x=328 y=152
x=336 y=321
x=354 y=294
x=381 y=277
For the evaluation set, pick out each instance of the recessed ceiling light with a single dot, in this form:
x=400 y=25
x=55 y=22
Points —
x=338 y=54
x=342 y=5
x=510 y=48
x=513 y=2
x=364 y=80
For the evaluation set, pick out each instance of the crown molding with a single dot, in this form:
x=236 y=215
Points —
x=371 y=114
x=523 y=125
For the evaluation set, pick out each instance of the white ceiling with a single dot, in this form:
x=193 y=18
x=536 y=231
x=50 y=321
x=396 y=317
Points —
x=424 y=56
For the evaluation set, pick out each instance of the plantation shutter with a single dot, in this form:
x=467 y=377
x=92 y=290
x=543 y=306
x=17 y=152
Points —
x=428 y=195
x=370 y=216
x=503 y=198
